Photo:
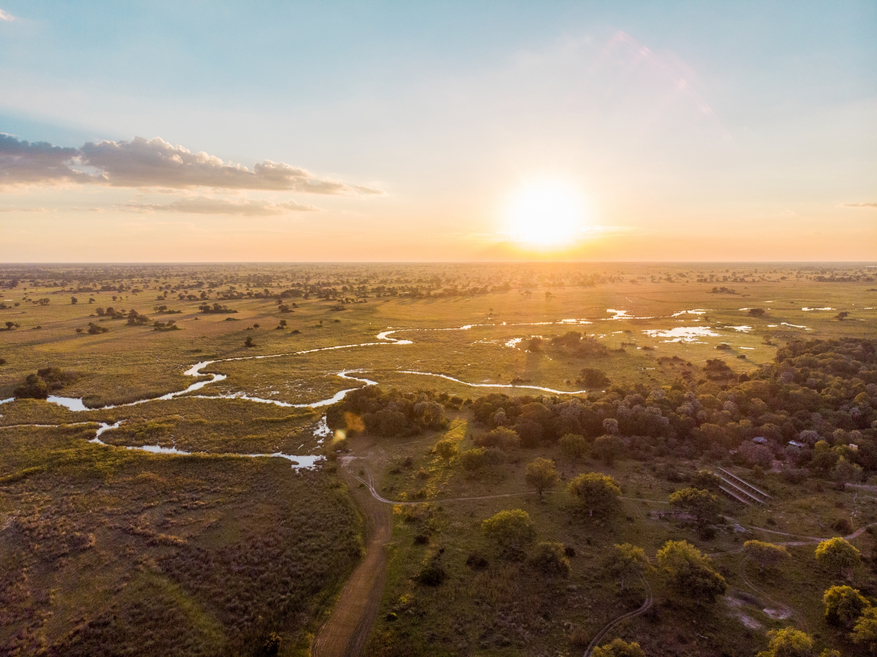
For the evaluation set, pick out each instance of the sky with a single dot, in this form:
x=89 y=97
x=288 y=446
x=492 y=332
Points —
x=437 y=131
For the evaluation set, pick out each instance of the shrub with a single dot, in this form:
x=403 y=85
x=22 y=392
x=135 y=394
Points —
x=550 y=558
x=512 y=532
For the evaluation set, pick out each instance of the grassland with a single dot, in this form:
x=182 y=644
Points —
x=106 y=548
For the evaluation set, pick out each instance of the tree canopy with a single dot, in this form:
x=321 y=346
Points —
x=595 y=491
x=512 y=531
x=690 y=572
x=837 y=553
x=541 y=475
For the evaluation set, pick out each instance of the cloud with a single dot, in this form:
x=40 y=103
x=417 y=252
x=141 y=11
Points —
x=858 y=205
x=6 y=17
x=155 y=163
x=25 y=162
x=205 y=205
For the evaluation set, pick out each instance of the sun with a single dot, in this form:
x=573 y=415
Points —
x=546 y=215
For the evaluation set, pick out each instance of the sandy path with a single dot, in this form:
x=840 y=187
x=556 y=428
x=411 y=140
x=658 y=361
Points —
x=344 y=633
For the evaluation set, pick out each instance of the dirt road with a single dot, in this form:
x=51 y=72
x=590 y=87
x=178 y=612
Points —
x=346 y=630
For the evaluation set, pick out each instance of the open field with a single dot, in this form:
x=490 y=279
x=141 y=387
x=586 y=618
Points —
x=104 y=545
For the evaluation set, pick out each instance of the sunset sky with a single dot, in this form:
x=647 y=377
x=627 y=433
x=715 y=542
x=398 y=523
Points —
x=437 y=131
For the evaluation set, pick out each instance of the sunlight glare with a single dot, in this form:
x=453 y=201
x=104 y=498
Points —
x=548 y=214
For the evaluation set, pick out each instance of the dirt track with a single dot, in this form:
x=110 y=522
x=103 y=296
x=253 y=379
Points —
x=344 y=633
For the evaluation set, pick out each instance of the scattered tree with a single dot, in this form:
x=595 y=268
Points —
x=541 y=475
x=249 y=342
x=446 y=449
x=34 y=387
x=501 y=437
x=550 y=558
x=766 y=555
x=865 y=630
x=607 y=448
x=592 y=378
x=788 y=642
x=619 y=648
x=573 y=445
x=628 y=561
x=595 y=491
x=843 y=605
x=512 y=531
x=838 y=554
x=690 y=572
x=702 y=504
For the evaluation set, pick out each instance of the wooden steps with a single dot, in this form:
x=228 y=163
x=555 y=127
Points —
x=740 y=489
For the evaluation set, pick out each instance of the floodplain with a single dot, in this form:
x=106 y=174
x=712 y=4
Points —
x=253 y=420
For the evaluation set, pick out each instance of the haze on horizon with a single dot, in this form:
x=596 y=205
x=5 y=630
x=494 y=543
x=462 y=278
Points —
x=452 y=131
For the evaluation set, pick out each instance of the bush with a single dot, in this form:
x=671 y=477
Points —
x=512 y=532
x=550 y=558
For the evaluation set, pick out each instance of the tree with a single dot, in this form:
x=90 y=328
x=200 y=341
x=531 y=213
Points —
x=690 y=572
x=766 y=555
x=512 y=531
x=249 y=341
x=541 y=475
x=845 y=472
x=592 y=378
x=550 y=558
x=702 y=504
x=446 y=449
x=788 y=642
x=865 y=630
x=474 y=459
x=628 y=561
x=10 y=325
x=501 y=437
x=843 y=605
x=838 y=554
x=573 y=445
x=607 y=448
x=73 y=301
x=595 y=491
x=619 y=648
x=34 y=387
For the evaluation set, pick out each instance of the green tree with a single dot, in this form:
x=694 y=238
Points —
x=838 y=554
x=446 y=449
x=865 y=630
x=550 y=558
x=619 y=648
x=607 y=448
x=628 y=561
x=690 y=572
x=843 y=605
x=702 y=504
x=501 y=437
x=573 y=446
x=788 y=642
x=541 y=475
x=595 y=491
x=249 y=342
x=512 y=531
x=34 y=387
x=473 y=459
x=766 y=555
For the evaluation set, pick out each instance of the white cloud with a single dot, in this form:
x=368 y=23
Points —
x=22 y=162
x=858 y=205
x=206 y=205
x=155 y=164
x=6 y=17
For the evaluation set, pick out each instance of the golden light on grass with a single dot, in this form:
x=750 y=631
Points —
x=546 y=215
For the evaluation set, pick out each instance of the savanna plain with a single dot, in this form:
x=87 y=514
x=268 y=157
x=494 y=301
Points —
x=438 y=459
